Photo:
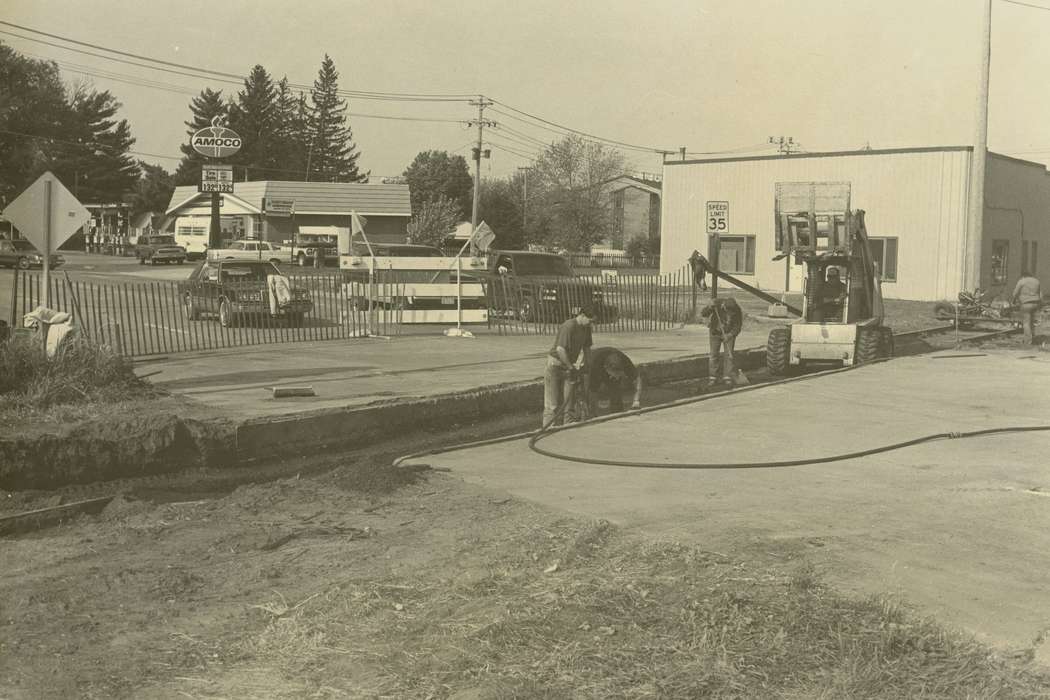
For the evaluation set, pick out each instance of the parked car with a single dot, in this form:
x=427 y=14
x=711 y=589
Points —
x=236 y=291
x=159 y=248
x=533 y=286
x=24 y=255
x=248 y=250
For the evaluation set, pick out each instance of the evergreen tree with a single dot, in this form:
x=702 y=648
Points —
x=152 y=191
x=204 y=107
x=255 y=118
x=332 y=154
x=96 y=164
x=292 y=136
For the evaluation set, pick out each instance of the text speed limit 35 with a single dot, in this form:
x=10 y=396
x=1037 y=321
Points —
x=717 y=217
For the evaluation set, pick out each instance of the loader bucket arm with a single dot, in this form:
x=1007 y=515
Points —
x=702 y=265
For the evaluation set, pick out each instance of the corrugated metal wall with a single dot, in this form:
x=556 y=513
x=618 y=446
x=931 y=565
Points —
x=919 y=197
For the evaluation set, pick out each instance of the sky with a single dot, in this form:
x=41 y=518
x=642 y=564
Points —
x=710 y=75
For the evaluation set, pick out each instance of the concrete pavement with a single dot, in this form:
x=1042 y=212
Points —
x=961 y=528
x=357 y=372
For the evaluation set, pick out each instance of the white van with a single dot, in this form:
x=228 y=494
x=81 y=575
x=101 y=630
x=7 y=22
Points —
x=191 y=232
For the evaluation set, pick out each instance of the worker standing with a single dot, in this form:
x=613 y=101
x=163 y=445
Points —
x=610 y=373
x=724 y=321
x=1028 y=297
x=559 y=379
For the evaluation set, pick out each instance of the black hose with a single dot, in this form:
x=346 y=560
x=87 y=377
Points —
x=782 y=463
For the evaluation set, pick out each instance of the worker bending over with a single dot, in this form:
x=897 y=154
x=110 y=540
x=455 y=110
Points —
x=610 y=374
x=559 y=380
x=724 y=321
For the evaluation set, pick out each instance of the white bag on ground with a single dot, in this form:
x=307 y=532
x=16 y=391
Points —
x=280 y=292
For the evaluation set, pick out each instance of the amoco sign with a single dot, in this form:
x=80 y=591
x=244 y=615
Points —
x=216 y=141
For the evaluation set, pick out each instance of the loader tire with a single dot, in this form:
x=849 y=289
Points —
x=869 y=341
x=886 y=344
x=778 y=352
x=944 y=310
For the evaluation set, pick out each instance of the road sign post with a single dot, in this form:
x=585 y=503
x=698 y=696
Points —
x=47 y=214
x=717 y=224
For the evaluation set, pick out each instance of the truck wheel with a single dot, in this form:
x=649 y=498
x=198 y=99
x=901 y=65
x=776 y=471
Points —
x=886 y=344
x=778 y=352
x=868 y=345
x=23 y=263
x=192 y=312
x=142 y=260
x=226 y=319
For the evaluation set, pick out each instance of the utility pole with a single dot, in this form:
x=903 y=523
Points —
x=481 y=103
x=681 y=151
x=785 y=145
x=975 y=213
x=524 y=195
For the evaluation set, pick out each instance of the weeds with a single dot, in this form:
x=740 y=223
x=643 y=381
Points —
x=82 y=372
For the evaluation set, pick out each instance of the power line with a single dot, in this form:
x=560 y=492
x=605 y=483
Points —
x=364 y=94
x=566 y=129
x=1027 y=4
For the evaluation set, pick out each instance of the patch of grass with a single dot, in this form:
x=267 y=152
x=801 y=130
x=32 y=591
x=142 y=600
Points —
x=82 y=372
x=621 y=618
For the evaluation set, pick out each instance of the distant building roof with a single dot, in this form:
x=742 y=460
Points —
x=624 y=181
x=339 y=198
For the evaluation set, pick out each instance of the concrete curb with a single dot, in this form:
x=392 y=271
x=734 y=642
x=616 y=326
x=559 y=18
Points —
x=309 y=433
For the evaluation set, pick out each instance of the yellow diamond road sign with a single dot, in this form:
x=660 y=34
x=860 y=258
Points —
x=29 y=211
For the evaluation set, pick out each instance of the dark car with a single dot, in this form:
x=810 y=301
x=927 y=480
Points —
x=236 y=290
x=156 y=249
x=532 y=286
x=24 y=255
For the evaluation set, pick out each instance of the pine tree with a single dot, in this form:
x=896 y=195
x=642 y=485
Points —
x=292 y=137
x=332 y=153
x=204 y=107
x=97 y=164
x=255 y=118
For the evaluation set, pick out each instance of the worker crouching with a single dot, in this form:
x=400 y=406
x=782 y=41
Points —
x=610 y=375
x=724 y=321
x=570 y=353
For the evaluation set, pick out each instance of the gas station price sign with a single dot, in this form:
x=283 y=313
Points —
x=216 y=178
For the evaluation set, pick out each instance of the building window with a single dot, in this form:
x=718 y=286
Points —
x=884 y=251
x=1029 y=256
x=1000 y=254
x=736 y=254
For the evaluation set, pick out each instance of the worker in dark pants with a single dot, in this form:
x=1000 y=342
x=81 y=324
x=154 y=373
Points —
x=1027 y=297
x=559 y=379
x=724 y=320
x=318 y=257
x=610 y=374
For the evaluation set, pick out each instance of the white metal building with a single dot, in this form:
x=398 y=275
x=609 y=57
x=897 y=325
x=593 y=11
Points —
x=915 y=202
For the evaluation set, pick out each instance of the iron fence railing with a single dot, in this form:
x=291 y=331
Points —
x=622 y=302
x=143 y=318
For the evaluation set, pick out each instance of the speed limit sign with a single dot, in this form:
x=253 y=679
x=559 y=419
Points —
x=717 y=217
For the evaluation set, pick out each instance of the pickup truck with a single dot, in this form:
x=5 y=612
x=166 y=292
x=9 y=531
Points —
x=531 y=286
x=236 y=291
x=159 y=249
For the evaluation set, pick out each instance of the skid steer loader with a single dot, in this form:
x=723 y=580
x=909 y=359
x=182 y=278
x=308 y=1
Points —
x=842 y=314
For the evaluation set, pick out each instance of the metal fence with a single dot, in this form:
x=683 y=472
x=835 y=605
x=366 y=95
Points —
x=143 y=318
x=622 y=302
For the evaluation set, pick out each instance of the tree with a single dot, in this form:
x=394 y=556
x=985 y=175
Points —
x=204 y=107
x=332 y=153
x=434 y=221
x=152 y=191
x=500 y=206
x=256 y=119
x=34 y=116
x=97 y=164
x=292 y=132
x=567 y=179
x=434 y=173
